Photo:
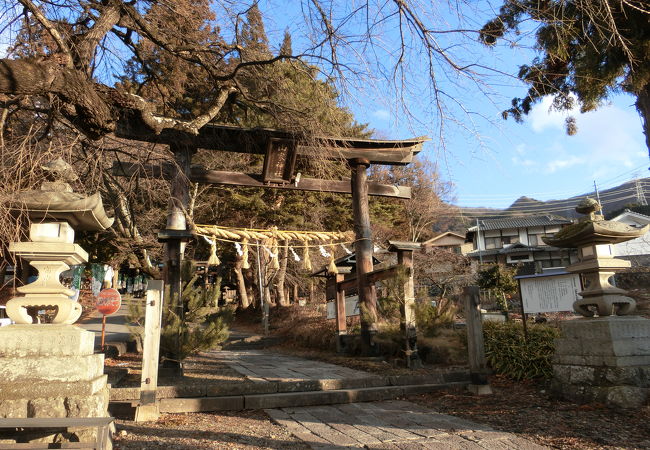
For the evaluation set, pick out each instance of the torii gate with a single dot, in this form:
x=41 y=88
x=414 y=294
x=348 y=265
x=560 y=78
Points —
x=281 y=150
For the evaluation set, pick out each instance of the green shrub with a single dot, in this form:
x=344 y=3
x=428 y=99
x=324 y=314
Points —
x=430 y=319
x=200 y=327
x=509 y=354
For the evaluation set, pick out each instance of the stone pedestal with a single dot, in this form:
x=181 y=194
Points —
x=604 y=360
x=51 y=371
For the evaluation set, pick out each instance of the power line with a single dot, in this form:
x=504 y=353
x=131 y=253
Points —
x=464 y=213
x=572 y=200
x=497 y=197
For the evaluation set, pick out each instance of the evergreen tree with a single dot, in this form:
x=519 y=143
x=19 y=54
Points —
x=192 y=324
x=286 y=48
x=253 y=38
x=499 y=279
x=178 y=87
x=589 y=49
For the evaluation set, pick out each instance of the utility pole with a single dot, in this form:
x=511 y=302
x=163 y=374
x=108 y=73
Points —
x=598 y=196
x=640 y=193
x=478 y=242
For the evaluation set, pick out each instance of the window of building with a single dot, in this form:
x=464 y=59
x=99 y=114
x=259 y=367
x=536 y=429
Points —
x=551 y=263
x=509 y=240
x=536 y=239
x=493 y=242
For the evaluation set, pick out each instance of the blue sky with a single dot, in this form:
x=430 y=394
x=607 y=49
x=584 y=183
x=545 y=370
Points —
x=491 y=161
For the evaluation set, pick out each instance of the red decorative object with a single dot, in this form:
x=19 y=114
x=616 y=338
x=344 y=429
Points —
x=108 y=301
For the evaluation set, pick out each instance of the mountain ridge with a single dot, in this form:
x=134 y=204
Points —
x=612 y=199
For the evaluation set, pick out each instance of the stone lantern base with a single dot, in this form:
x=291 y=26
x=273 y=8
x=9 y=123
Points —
x=51 y=371
x=604 y=360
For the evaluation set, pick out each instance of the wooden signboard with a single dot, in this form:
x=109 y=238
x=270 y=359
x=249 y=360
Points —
x=280 y=161
x=549 y=292
x=351 y=307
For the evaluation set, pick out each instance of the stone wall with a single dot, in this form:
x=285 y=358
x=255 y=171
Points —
x=604 y=360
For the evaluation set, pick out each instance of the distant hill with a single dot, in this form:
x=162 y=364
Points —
x=613 y=199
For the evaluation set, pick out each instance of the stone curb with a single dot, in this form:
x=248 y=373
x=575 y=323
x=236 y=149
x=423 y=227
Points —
x=243 y=388
x=294 y=399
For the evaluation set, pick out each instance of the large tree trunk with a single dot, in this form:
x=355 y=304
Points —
x=249 y=284
x=30 y=76
x=241 y=283
x=643 y=107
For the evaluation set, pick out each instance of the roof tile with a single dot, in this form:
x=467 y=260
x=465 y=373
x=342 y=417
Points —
x=521 y=222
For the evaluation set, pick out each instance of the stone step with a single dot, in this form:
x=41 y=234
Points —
x=284 y=399
x=263 y=387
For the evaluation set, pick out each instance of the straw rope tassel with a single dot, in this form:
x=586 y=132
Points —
x=275 y=263
x=245 y=263
x=332 y=266
x=305 y=257
x=214 y=259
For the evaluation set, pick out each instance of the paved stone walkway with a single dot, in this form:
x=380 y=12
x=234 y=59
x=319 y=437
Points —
x=262 y=365
x=390 y=425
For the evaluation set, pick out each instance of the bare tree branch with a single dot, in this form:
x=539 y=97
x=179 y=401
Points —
x=52 y=30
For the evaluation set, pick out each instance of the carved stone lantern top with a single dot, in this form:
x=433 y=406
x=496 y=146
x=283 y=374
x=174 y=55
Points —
x=55 y=201
x=593 y=229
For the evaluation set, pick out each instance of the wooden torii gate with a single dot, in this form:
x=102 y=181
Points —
x=281 y=150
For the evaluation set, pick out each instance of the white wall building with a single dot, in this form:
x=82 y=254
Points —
x=515 y=240
x=637 y=249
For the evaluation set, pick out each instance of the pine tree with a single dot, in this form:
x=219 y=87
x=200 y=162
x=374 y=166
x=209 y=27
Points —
x=253 y=36
x=190 y=326
x=179 y=88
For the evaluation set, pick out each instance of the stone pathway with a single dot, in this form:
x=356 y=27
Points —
x=390 y=425
x=262 y=365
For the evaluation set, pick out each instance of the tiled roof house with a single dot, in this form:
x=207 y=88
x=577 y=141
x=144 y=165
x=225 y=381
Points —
x=518 y=240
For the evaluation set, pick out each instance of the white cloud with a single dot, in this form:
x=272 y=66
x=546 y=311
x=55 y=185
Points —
x=560 y=164
x=609 y=140
x=381 y=114
x=542 y=117
x=517 y=161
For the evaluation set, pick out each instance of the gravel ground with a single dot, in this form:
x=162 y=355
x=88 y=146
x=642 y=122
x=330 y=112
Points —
x=525 y=408
x=232 y=430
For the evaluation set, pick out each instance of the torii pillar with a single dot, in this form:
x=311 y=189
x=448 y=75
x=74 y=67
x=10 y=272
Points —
x=363 y=248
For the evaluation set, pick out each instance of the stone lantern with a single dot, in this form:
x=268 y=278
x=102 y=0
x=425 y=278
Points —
x=603 y=359
x=50 y=370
